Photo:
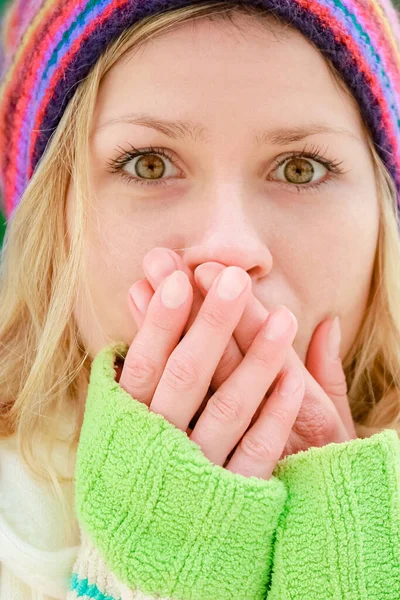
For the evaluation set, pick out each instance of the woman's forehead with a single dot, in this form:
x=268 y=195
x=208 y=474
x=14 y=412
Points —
x=200 y=75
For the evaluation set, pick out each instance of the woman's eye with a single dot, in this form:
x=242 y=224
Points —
x=300 y=170
x=150 y=167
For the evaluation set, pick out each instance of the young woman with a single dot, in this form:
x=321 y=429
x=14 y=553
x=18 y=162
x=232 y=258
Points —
x=199 y=324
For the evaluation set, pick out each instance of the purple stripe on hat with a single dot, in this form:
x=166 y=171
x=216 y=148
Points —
x=28 y=120
x=18 y=85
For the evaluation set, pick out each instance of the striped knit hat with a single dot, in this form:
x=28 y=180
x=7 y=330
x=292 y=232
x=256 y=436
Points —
x=50 y=46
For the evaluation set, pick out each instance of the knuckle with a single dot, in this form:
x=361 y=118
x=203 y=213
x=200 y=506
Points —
x=226 y=407
x=337 y=388
x=213 y=316
x=318 y=423
x=280 y=417
x=164 y=325
x=181 y=373
x=265 y=357
x=140 y=371
x=255 y=447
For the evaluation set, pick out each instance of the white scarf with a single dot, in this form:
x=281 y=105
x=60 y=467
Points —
x=38 y=546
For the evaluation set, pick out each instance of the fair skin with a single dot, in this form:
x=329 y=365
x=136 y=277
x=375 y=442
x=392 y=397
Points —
x=227 y=203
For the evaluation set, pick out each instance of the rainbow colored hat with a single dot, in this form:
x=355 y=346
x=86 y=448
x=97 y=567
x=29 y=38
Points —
x=49 y=46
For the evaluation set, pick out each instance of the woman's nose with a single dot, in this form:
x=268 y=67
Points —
x=228 y=229
x=230 y=243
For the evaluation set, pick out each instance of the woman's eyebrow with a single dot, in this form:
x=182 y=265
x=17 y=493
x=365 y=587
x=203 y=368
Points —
x=182 y=130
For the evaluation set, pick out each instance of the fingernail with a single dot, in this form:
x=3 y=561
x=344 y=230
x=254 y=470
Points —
x=139 y=299
x=278 y=323
x=158 y=264
x=334 y=340
x=291 y=382
x=232 y=283
x=175 y=290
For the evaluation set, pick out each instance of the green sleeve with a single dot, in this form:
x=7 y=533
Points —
x=339 y=535
x=163 y=518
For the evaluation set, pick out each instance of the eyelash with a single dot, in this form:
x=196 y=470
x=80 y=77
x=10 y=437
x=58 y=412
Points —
x=314 y=153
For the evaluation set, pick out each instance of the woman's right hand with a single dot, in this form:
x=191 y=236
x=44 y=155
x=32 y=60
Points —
x=172 y=376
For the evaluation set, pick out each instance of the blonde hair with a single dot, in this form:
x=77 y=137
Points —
x=43 y=362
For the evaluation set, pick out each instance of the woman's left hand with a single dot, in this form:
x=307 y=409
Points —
x=325 y=415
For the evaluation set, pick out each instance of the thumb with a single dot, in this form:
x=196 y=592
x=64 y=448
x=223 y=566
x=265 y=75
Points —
x=325 y=365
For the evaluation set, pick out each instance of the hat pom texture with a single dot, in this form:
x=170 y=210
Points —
x=49 y=46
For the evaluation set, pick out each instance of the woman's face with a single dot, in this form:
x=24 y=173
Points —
x=267 y=168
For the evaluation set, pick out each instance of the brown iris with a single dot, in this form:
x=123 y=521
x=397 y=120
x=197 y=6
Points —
x=150 y=166
x=299 y=170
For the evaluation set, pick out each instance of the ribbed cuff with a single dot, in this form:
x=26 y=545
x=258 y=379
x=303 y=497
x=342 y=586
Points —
x=163 y=517
x=340 y=534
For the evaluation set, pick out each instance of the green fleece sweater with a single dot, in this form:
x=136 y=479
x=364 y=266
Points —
x=159 y=520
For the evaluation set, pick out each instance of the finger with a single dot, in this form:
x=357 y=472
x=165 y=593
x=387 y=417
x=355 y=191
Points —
x=139 y=298
x=160 y=333
x=232 y=356
x=324 y=363
x=316 y=411
x=254 y=314
x=229 y=412
x=318 y=421
x=190 y=368
x=261 y=447
x=158 y=263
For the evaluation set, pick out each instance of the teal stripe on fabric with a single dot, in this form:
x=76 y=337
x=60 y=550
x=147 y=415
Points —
x=83 y=588
x=3 y=225
x=363 y=35
x=80 y=24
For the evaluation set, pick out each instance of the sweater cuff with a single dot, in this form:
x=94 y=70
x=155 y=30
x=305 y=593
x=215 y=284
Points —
x=339 y=536
x=163 y=517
